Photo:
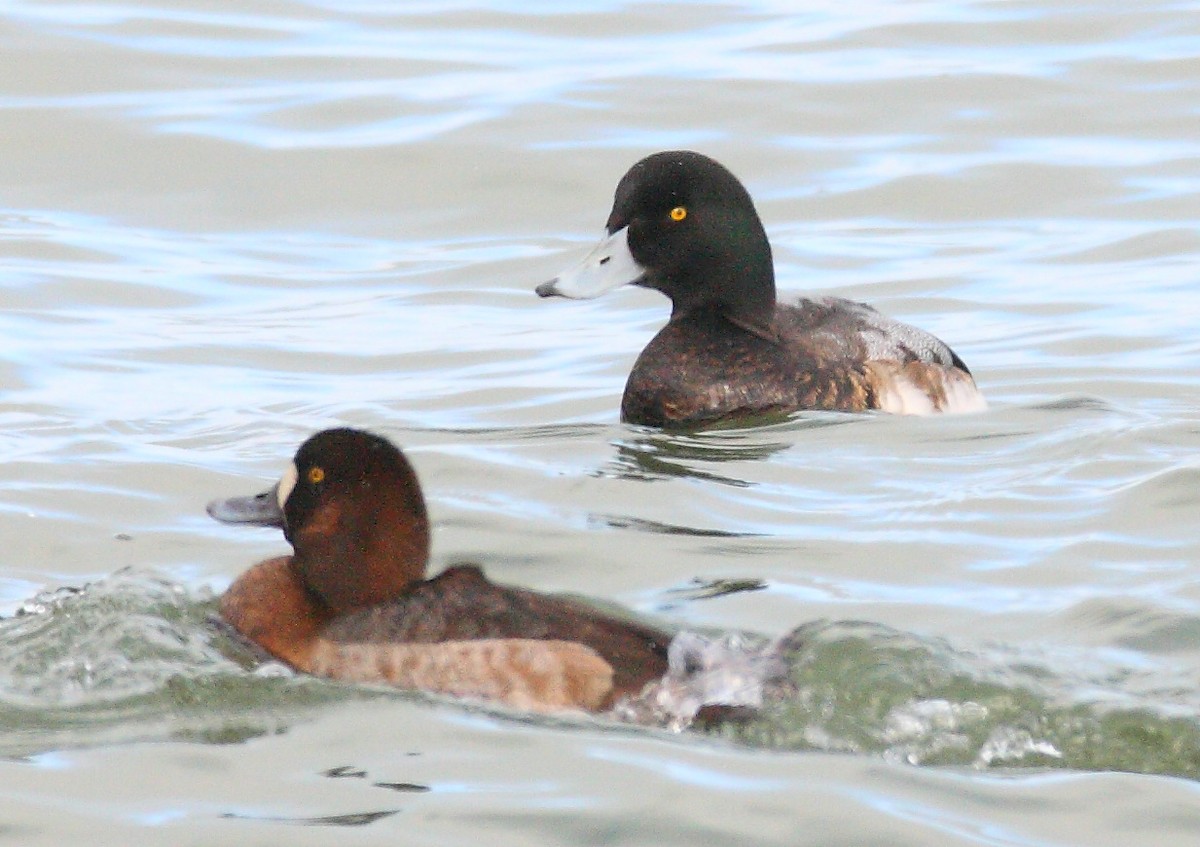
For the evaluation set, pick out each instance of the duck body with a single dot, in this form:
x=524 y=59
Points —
x=684 y=225
x=352 y=603
x=824 y=353
x=462 y=604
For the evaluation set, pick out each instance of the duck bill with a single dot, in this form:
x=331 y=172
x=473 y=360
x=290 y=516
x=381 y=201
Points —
x=609 y=265
x=259 y=510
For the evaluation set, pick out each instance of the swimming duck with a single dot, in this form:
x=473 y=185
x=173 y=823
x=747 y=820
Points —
x=682 y=224
x=352 y=602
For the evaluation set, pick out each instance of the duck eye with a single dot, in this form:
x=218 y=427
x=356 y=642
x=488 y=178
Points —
x=315 y=474
x=678 y=213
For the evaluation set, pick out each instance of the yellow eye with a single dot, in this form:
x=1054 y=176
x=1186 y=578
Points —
x=315 y=474
x=678 y=213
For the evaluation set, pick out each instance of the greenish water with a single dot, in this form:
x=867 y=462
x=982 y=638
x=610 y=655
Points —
x=133 y=658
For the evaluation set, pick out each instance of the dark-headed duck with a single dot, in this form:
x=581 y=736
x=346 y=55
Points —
x=684 y=225
x=352 y=601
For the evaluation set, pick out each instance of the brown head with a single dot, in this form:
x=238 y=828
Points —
x=351 y=506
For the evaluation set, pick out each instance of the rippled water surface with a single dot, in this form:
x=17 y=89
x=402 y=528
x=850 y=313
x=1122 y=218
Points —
x=224 y=226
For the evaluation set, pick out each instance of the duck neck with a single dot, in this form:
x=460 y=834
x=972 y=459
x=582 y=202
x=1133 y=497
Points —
x=355 y=558
x=737 y=282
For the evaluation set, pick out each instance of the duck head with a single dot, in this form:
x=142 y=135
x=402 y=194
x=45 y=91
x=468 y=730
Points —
x=351 y=507
x=683 y=224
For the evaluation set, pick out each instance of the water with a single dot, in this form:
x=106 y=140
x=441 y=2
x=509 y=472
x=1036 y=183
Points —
x=223 y=228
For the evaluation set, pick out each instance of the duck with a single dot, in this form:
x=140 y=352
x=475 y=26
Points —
x=682 y=224
x=352 y=601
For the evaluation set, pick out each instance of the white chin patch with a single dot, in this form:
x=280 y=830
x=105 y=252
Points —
x=609 y=265
x=286 y=483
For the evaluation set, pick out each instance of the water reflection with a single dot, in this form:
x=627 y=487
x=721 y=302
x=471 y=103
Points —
x=652 y=454
x=347 y=819
x=662 y=528
x=709 y=589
